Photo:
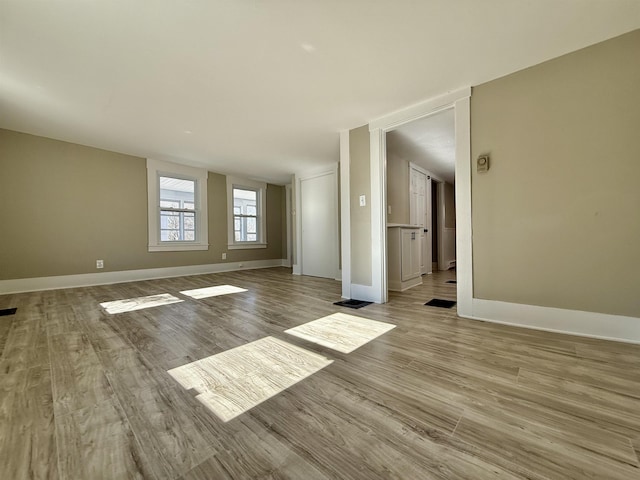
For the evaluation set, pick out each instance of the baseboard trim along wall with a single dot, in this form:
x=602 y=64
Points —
x=572 y=322
x=105 y=278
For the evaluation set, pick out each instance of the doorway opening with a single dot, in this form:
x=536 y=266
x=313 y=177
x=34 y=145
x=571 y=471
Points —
x=420 y=194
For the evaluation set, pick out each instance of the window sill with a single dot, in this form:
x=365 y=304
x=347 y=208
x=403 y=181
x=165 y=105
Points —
x=245 y=246
x=178 y=247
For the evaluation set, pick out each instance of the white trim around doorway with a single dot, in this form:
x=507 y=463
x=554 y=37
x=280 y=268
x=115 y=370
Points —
x=459 y=100
x=345 y=214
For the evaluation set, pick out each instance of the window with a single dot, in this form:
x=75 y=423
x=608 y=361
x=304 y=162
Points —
x=177 y=209
x=245 y=215
x=246 y=201
x=177 y=201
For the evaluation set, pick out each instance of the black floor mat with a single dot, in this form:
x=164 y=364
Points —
x=438 y=302
x=8 y=311
x=451 y=281
x=353 y=303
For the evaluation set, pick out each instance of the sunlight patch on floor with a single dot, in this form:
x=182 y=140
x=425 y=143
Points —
x=212 y=291
x=234 y=381
x=131 y=304
x=340 y=331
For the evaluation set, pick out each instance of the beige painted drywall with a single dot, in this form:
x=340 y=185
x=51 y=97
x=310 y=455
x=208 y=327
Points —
x=556 y=220
x=360 y=184
x=449 y=206
x=397 y=187
x=63 y=206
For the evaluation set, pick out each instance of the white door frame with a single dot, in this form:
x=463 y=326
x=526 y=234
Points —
x=460 y=101
x=345 y=213
x=287 y=212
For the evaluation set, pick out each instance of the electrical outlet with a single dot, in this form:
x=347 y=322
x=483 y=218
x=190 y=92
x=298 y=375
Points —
x=363 y=200
x=224 y=256
x=99 y=263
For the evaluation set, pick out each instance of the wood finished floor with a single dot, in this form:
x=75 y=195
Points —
x=86 y=395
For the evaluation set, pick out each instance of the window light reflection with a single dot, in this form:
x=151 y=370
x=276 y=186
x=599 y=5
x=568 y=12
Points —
x=212 y=291
x=131 y=304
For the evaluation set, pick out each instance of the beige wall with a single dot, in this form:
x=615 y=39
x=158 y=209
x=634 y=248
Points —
x=360 y=184
x=63 y=206
x=397 y=187
x=449 y=206
x=556 y=220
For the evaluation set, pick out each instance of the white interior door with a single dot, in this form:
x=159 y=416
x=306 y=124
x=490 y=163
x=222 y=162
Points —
x=419 y=213
x=319 y=222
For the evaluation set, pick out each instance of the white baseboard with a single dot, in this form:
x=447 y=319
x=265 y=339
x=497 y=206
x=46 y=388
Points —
x=573 y=322
x=363 y=292
x=338 y=275
x=105 y=278
x=296 y=269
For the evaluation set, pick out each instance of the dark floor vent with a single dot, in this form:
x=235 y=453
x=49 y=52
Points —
x=438 y=302
x=353 y=303
x=8 y=311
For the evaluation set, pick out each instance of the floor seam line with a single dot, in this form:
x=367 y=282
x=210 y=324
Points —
x=457 y=423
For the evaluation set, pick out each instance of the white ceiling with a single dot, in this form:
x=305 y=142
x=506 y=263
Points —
x=429 y=142
x=261 y=88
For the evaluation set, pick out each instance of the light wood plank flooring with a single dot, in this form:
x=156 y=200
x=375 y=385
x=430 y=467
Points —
x=86 y=395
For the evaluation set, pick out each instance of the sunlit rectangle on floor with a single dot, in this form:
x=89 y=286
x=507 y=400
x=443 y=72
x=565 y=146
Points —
x=131 y=304
x=341 y=331
x=234 y=381
x=213 y=291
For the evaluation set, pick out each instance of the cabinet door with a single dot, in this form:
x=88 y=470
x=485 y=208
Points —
x=416 y=255
x=410 y=254
x=405 y=254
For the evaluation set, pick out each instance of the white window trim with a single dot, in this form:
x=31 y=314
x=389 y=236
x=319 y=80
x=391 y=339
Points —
x=156 y=168
x=261 y=188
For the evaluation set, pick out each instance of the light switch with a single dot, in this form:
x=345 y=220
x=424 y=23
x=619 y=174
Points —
x=363 y=200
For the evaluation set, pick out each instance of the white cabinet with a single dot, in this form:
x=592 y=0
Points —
x=403 y=245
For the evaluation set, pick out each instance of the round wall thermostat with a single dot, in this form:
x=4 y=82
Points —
x=483 y=163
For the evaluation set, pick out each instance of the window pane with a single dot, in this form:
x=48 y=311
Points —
x=169 y=203
x=177 y=190
x=240 y=229
x=251 y=225
x=244 y=194
x=189 y=221
x=170 y=235
x=169 y=219
x=244 y=201
x=245 y=229
x=177 y=226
